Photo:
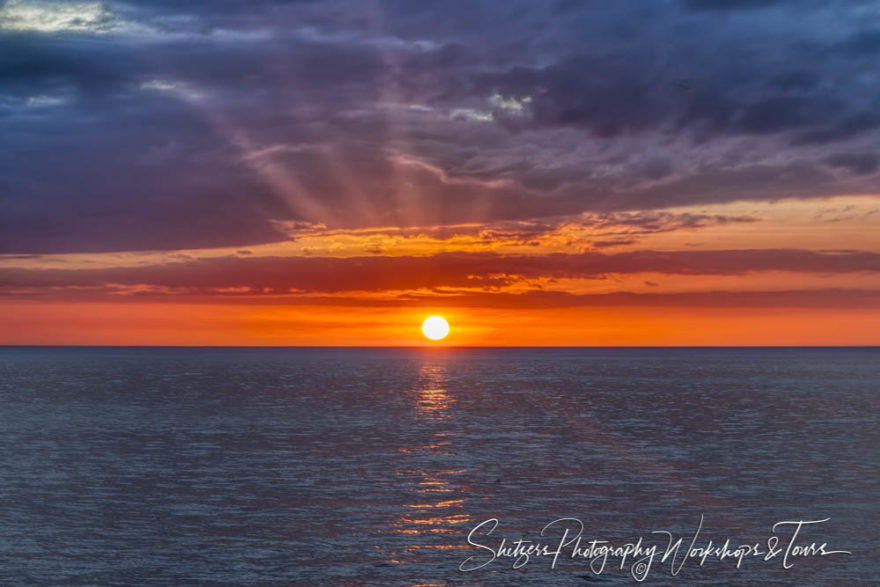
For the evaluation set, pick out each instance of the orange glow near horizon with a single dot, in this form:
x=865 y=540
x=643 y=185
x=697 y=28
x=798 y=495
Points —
x=556 y=287
x=171 y=324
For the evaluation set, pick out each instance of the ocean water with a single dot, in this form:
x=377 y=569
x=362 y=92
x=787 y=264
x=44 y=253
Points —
x=127 y=466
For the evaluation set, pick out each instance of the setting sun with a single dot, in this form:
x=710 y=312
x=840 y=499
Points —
x=435 y=327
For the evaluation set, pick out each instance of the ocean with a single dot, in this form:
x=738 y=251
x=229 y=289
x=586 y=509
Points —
x=341 y=466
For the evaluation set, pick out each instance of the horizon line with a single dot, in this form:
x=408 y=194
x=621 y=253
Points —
x=438 y=347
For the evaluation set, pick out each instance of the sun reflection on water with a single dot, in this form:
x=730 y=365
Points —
x=433 y=400
x=435 y=513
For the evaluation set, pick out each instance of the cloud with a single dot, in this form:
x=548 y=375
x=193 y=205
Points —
x=724 y=5
x=55 y=17
x=859 y=163
x=488 y=271
x=164 y=125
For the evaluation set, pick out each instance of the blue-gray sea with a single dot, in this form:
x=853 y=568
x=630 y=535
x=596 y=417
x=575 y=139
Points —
x=247 y=466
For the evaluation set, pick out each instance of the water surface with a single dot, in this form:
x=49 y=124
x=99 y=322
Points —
x=369 y=466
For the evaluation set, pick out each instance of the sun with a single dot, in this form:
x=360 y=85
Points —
x=435 y=327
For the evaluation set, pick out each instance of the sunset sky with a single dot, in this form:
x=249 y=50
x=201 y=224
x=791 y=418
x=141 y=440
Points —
x=681 y=172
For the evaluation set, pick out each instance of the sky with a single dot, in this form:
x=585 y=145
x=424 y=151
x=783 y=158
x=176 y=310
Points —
x=673 y=172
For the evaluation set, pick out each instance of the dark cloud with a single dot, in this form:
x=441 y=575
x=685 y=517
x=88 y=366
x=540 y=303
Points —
x=647 y=222
x=844 y=128
x=206 y=124
x=722 y=5
x=281 y=275
x=860 y=163
x=862 y=43
x=619 y=242
x=782 y=113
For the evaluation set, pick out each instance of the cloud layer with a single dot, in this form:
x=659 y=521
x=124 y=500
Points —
x=444 y=271
x=166 y=125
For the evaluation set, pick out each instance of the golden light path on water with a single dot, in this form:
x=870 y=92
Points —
x=437 y=500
